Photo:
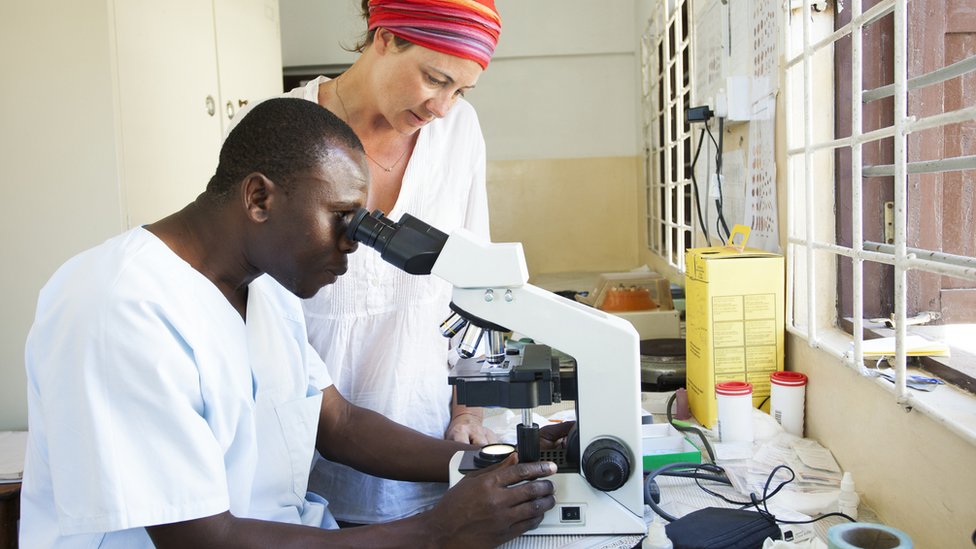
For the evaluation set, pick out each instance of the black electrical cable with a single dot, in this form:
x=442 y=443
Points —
x=753 y=500
x=698 y=476
x=766 y=494
x=694 y=185
x=821 y=517
x=765 y=508
x=695 y=430
x=720 y=224
x=679 y=469
x=718 y=171
x=716 y=473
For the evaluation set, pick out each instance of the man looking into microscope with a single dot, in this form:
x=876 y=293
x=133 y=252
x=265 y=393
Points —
x=173 y=397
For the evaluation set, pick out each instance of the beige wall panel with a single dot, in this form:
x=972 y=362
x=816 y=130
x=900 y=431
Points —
x=57 y=141
x=569 y=214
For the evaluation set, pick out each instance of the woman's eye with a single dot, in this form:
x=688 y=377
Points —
x=435 y=81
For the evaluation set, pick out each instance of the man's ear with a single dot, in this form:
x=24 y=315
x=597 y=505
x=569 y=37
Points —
x=258 y=196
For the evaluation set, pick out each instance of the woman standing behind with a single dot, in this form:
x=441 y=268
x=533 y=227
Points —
x=378 y=329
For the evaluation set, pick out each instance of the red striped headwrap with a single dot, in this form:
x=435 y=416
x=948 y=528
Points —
x=463 y=28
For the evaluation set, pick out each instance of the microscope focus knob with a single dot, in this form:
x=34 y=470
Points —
x=606 y=464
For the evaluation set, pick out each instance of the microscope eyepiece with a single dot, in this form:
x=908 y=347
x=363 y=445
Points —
x=410 y=245
x=369 y=228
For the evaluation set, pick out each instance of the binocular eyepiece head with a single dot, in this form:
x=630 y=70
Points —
x=410 y=245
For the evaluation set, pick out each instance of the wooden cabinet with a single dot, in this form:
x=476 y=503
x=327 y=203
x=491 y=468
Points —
x=113 y=112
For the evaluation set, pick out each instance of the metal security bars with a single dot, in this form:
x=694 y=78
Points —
x=812 y=249
x=666 y=60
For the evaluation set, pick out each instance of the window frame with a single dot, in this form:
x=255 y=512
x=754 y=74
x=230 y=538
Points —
x=811 y=235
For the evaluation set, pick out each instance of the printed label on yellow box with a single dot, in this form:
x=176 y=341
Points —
x=760 y=332
x=727 y=334
x=730 y=361
x=760 y=306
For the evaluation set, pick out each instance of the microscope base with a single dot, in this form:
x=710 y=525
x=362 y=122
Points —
x=580 y=509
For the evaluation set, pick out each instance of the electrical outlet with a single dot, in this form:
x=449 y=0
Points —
x=721 y=104
x=738 y=98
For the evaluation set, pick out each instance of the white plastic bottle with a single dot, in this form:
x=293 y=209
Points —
x=657 y=536
x=848 y=499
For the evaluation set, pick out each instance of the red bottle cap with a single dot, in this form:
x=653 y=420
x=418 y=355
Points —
x=788 y=379
x=733 y=388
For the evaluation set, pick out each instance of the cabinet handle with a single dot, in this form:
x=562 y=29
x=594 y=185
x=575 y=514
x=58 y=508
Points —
x=211 y=105
x=230 y=109
x=241 y=102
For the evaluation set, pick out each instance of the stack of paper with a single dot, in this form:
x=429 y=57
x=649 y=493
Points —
x=915 y=345
x=814 y=467
x=13 y=449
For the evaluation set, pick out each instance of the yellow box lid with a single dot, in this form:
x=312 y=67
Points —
x=735 y=248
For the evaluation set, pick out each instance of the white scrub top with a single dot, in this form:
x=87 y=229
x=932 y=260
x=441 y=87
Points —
x=143 y=387
x=289 y=377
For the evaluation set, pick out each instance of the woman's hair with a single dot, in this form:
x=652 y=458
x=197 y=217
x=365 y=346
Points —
x=367 y=38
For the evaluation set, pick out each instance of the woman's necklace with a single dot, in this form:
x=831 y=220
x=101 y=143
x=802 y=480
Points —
x=346 y=112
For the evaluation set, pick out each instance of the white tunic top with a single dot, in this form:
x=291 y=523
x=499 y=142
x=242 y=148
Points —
x=377 y=328
x=143 y=383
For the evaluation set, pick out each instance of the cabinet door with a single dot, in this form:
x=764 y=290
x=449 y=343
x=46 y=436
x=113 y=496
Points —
x=248 y=52
x=167 y=60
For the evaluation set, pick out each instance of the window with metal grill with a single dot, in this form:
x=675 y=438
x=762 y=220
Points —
x=881 y=180
x=667 y=87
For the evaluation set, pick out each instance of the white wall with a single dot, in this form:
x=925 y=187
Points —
x=313 y=32
x=559 y=107
x=562 y=83
x=44 y=203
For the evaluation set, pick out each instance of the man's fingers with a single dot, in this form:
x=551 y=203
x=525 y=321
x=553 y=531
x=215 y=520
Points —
x=524 y=471
x=529 y=514
x=509 y=461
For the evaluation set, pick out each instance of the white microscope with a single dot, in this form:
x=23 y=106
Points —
x=599 y=488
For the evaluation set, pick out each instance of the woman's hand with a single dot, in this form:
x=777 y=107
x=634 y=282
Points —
x=466 y=427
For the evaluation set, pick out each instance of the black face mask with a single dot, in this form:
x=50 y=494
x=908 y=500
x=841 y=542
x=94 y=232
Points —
x=718 y=528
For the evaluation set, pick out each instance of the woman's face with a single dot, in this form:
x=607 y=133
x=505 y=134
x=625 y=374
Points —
x=418 y=84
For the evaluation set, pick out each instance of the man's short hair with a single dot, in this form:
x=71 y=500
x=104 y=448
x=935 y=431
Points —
x=279 y=138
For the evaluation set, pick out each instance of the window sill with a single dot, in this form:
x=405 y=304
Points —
x=959 y=369
x=950 y=405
